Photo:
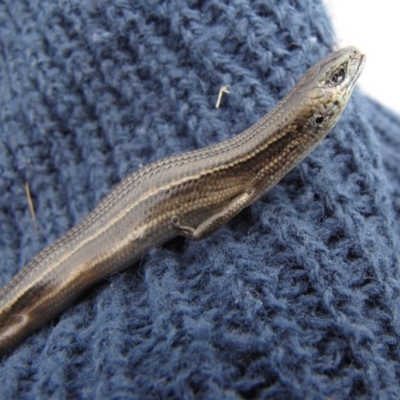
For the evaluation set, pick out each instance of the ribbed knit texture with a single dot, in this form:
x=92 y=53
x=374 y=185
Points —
x=297 y=297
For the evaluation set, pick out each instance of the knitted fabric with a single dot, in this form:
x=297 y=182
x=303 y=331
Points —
x=297 y=297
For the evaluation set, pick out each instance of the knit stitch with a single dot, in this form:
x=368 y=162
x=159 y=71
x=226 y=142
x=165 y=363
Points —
x=297 y=297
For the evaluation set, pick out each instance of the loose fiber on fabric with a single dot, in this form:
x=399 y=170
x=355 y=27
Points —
x=297 y=297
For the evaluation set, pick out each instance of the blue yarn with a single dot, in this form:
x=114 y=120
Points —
x=297 y=297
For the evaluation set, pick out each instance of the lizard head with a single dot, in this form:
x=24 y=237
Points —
x=326 y=87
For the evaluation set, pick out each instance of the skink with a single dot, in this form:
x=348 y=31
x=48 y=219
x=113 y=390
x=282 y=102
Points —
x=192 y=194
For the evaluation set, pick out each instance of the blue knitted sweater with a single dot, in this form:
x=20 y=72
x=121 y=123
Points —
x=297 y=297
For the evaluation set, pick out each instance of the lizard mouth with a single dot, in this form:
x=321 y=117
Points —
x=361 y=64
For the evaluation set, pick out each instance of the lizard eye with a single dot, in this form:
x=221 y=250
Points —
x=338 y=76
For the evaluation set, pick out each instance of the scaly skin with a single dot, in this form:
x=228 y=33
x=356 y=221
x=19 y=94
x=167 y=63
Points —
x=192 y=194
